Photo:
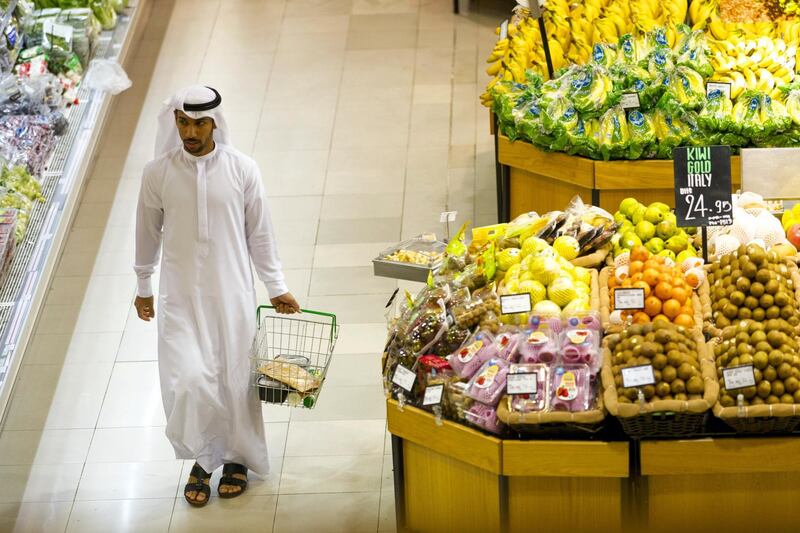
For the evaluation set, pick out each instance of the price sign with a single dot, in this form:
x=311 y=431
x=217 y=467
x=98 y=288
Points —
x=638 y=376
x=628 y=299
x=511 y=304
x=448 y=216
x=630 y=101
x=739 y=377
x=535 y=9
x=433 y=395
x=404 y=378
x=714 y=86
x=523 y=383
x=703 y=186
x=504 y=30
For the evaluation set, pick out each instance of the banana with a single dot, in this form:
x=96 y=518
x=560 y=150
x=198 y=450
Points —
x=494 y=68
x=752 y=81
x=717 y=28
x=765 y=81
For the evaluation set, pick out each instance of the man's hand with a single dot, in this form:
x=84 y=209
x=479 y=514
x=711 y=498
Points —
x=145 y=308
x=285 y=304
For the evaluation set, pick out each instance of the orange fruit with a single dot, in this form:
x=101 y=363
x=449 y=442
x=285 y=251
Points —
x=641 y=318
x=664 y=291
x=635 y=267
x=613 y=282
x=651 y=276
x=652 y=306
x=684 y=320
x=671 y=308
x=687 y=310
x=680 y=294
x=692 y=280
x=641 y=284
x=640 y=253
x=660 y=317
x=626 y=282
x=637 y=277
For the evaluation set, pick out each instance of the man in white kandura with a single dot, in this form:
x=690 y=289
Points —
x=205 y=201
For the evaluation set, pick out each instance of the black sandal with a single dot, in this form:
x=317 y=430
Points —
x=200 y=486
x=227 y=479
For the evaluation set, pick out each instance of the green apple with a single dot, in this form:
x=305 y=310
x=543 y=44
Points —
x=666 y=229
x=667 y=253
x=661 y=206
x=630 y=240
x=619 y=218
x=655 y=245
x=628 y=206
x=654 y=215
x=638 y=215
x=645 y=230
x=677 y=243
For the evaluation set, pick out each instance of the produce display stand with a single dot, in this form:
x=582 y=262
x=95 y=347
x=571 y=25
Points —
x=529 y=179
x=23 y=292
x=454 y=478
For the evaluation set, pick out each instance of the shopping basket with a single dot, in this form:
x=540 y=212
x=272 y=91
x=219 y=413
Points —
x=291 y=355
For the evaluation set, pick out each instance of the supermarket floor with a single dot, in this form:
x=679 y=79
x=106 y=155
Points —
x=364 y=118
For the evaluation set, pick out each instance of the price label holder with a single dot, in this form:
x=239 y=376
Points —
x=738 y=378
x=448 y=216
x=638 y=377
x=504 y=30
x=714 y=86
x=630 y=101
x=433 y=399
x=535 y=9
x=512 y=304
x=703 y=188
x=522 y=383
x=628 y=299
x=404 y=378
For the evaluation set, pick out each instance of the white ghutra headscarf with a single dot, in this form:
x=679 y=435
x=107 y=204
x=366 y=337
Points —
x=197 y=101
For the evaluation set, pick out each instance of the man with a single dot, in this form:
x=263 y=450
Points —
x=205 y=200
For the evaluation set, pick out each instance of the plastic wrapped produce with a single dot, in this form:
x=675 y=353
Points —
x=488 y=384
x=86 y=31
x=467 y=360
x=581 y=346
x=531 y=402
x=571 y=388
x=105 y=13
x=484 y=417
x=643 y=135
x=457 y=403
x=540 y=346
x=507 y=345
x=614 y=133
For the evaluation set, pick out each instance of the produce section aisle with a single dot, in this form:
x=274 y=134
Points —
x=364 y=117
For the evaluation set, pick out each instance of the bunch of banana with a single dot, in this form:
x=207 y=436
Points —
x=762 y=64
x=514 y=55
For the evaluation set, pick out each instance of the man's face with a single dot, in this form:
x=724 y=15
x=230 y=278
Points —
x=197 y=134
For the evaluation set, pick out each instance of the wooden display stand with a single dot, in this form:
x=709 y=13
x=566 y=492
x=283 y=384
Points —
x=453 y=478
x=533 y=180
x=729 y=484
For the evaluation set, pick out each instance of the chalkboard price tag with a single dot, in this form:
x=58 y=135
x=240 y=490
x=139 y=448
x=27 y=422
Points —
x=739 y=377
x=628 y=299
x=703 y=186
x=630 y=101
x=511 y=304
x=714 y=86
x=638 y=376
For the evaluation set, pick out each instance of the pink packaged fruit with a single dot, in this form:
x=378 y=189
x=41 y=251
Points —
x=581 y=346
x=489 y=383
x=507 y=346
x=485 y=417
x=571 y=388
x=468 y=359
x=539 y=346
x=528 y=388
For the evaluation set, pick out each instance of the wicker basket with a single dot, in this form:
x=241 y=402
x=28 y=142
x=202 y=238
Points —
x=593 y=260
x=558 y=423
x=605 y=304
x=704 y=292
x=663 y=418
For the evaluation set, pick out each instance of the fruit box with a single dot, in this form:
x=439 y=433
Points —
x=605 y=304
x=384 y=266
x=663 y=418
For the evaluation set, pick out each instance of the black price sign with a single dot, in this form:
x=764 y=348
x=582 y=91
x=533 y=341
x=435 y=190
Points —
x=703 y=186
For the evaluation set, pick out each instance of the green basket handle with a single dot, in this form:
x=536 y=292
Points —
x=307 y=311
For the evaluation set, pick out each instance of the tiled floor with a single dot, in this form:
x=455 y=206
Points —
x=364 y=118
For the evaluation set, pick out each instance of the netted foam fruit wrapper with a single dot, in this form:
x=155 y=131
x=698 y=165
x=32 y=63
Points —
x=691 y=263
x=695 y=277
x=622 y=259
x=725 y=244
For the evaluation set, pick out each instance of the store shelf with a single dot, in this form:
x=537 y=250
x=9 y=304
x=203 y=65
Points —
x=565 y=458
x=22 y=294
x=721 y=456
x=562 y=167
x=451 y=439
